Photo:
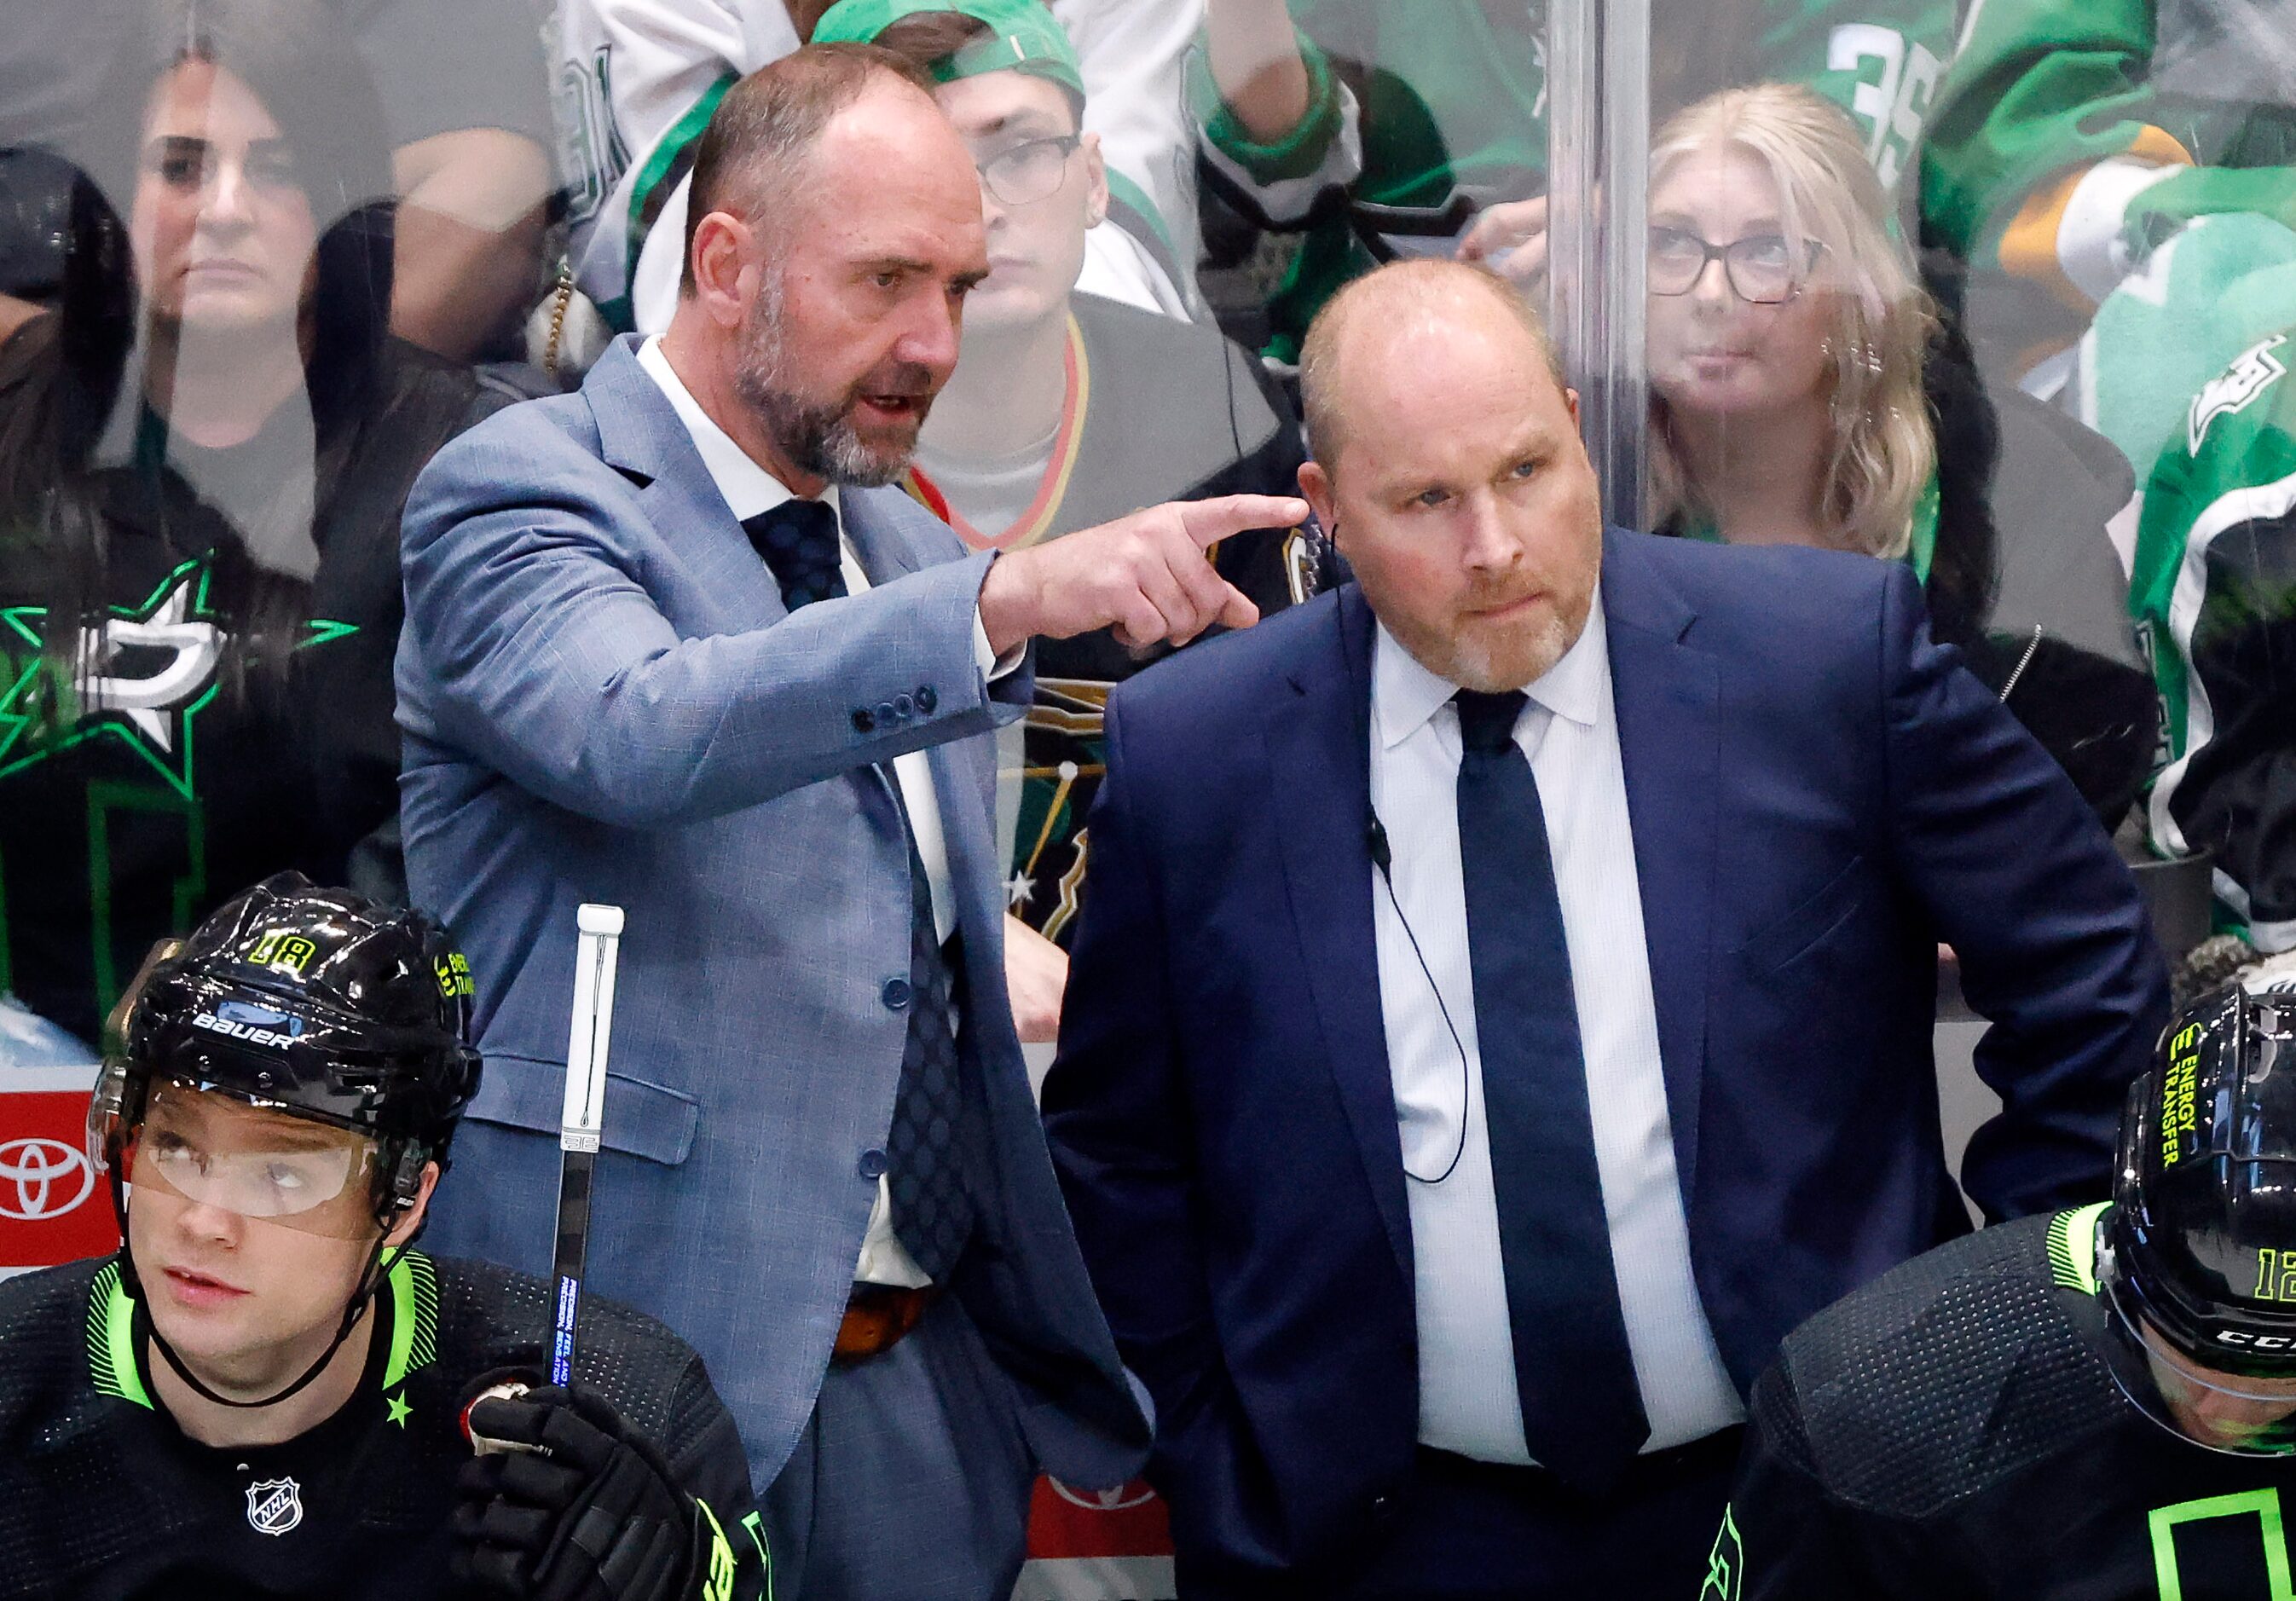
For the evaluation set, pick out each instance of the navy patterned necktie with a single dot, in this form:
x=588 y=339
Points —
x=924 y=1149
x=1582 y=1411
x=798 y=539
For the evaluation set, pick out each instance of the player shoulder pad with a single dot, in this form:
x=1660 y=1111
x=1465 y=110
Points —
x=1947 y=1374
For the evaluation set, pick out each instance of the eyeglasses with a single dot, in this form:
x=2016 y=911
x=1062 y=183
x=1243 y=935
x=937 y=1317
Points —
x=1027 y=173
x=1761 y=268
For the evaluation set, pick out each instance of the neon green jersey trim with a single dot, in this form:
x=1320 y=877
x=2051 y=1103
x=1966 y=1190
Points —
x=414 y=1285
x=2072 y=1247
x=111 y=1340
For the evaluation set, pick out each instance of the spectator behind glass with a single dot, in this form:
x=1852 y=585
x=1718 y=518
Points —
x=465 y=129
x=2215 y=593
x=1413 y=105
x=1067 y=410
x=2077 y=142
x=1786 y=335
x=640 y=77
x=203 y=454
x=1803 y=392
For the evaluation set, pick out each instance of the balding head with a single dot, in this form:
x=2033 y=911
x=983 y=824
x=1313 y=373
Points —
x=835 y=230
x=758 y=157
x=1466 y=505
x=1415 y=310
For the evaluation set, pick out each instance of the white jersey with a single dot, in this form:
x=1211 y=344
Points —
x=636 y=81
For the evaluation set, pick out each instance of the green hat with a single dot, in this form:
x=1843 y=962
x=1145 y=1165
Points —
x=1023 y=36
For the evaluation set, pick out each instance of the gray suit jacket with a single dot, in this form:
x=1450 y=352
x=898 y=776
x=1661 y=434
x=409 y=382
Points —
x=604 y=699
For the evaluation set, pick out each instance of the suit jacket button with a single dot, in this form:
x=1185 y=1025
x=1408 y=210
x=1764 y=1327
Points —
x=926 y=698
x=872 y=1164
x=897 y=994
x=862 y=721
x=903 y=708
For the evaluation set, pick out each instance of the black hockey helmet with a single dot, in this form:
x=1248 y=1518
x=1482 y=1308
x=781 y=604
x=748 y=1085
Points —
x=2198 y=1253
x=313 y=1002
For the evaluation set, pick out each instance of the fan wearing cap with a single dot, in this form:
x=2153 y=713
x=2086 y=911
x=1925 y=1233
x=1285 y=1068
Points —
x=2100 y=1404
x=1067 y=410
x=264 y=1392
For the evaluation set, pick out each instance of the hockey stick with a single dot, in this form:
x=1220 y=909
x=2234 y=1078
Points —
x=597 y=946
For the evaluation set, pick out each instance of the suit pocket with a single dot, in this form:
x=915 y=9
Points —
x=641 y=1119
x=1796 y=932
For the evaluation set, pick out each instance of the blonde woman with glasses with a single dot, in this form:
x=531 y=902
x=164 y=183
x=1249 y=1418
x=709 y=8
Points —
x=1787 y=335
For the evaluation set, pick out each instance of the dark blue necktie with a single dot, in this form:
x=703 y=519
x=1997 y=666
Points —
x=798 y=539
x=924 y=1149
x=1582 y=1413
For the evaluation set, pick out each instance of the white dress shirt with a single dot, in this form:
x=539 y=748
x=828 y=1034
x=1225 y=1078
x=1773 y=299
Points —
x=750 y=489
x=1468 y=1400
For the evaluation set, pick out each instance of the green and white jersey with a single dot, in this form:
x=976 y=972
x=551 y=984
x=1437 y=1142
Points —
x=104 y=1498
x=1408 y=100
x=636 y=81
x=1952 y=1431
x=2213 y=591
x=2064 y=142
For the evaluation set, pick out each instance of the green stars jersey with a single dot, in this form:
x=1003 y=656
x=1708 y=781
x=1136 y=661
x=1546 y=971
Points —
x=2214 y=593
x=2044 y=90
x=1952 y=1430
x=204 y=722
x=102 y=1498
x=1454 y=94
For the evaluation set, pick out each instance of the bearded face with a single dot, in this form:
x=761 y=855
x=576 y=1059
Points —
x=859 y=432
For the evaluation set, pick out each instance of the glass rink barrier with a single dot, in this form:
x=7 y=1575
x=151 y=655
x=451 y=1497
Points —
x=2000 y=293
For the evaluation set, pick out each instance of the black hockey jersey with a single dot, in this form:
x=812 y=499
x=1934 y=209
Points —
x=102 y=1498
x=1952 y=1430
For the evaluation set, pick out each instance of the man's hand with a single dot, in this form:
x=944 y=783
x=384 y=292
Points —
x=1036 y=972
x=587 y=1512
x=1145 y=575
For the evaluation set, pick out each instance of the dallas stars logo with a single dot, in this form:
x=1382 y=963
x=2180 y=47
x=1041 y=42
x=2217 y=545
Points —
x=143 y=675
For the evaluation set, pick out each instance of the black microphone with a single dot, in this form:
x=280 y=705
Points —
x=1375 y=839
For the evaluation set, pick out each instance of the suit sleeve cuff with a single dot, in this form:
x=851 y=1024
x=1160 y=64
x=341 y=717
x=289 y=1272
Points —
x=993 y=666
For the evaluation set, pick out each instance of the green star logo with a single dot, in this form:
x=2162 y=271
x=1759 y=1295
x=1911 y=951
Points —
x=399 y=1411
x=142 y=676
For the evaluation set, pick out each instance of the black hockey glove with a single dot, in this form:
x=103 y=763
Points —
x=591 y=1514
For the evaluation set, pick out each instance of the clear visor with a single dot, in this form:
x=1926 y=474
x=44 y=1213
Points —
x=2237 y=1414
x=214 y=1150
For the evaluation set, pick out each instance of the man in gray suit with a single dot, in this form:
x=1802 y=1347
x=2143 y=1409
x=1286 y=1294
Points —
x=670 y=645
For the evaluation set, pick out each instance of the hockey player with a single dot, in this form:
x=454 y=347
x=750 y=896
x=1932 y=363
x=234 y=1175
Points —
x=2100 y=1404
x=262 y=1394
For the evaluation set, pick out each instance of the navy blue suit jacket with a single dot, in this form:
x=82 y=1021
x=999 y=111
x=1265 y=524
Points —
x=1817 y=795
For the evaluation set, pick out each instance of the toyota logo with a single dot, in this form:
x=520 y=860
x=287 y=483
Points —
x=50 y=1177
x=1104 y=1500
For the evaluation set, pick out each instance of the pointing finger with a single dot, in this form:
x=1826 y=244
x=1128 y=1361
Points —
x=1209 y=521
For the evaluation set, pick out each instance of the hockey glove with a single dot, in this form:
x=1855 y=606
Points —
x=589 y=1511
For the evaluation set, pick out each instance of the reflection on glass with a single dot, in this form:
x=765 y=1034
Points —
x=1786 y=335
x=203 y=452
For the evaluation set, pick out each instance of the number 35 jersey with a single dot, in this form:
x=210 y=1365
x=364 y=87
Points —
x=1952 y=1430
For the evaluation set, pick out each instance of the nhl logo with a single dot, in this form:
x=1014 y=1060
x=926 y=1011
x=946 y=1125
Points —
x=274 y=1506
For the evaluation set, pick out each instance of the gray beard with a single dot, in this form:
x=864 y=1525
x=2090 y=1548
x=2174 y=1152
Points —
x=817 y=438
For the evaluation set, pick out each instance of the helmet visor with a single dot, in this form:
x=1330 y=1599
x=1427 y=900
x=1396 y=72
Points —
x=2237 y=1414
x=213 y=1149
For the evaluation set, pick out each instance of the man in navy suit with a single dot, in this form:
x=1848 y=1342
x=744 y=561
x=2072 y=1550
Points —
x=1502 y=1004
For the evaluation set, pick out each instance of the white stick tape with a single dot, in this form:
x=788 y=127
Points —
x=597 y=947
